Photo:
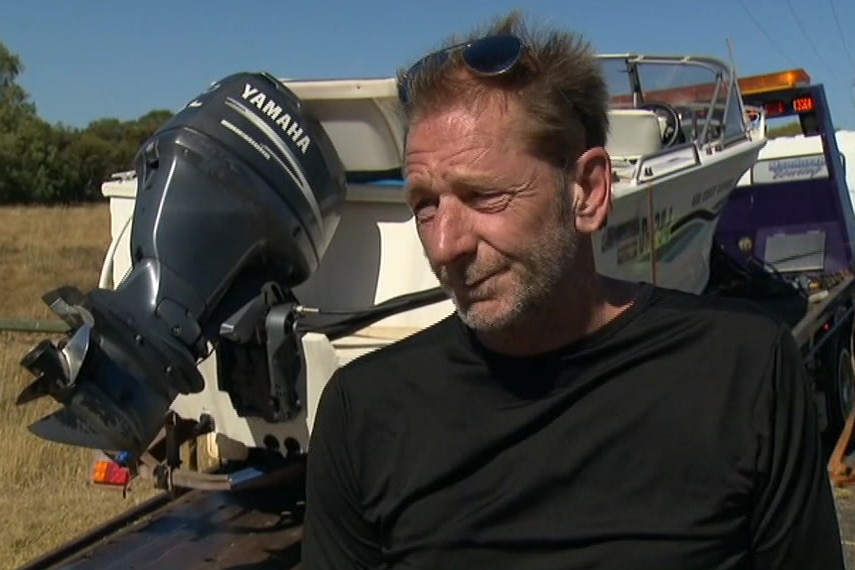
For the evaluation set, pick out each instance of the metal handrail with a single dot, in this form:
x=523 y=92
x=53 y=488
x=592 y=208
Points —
x=32 y=325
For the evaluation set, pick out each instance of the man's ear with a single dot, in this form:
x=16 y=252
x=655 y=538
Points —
x=593 y=190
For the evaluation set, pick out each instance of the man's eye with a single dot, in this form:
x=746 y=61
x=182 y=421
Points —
x=425 y=209
x=490 y=201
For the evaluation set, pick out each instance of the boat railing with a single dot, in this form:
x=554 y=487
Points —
x=667 y=162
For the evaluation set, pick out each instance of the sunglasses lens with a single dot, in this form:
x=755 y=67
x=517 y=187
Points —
x=493 y=55
x=402 y=91
x=404 y=85
x=488 y=56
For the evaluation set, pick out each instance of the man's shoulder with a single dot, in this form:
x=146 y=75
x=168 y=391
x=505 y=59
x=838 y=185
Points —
x=727 y=343
x=714 y=306
x=737 y=317
x=419 y=347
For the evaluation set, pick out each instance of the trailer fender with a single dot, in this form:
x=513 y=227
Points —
x=841 y=463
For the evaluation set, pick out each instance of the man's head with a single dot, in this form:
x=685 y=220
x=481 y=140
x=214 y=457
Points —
x=506 y=170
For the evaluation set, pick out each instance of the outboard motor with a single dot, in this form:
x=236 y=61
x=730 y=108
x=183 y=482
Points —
x=238 y=197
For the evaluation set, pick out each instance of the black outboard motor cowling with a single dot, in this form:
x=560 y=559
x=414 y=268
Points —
x=238 y=197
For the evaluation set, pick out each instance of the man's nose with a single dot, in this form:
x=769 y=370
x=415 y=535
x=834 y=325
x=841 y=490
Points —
x=452 y=234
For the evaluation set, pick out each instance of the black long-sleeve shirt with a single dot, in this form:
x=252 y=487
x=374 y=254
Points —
x=681 y=436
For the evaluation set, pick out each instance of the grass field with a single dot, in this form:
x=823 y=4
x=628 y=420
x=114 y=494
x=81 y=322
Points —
x=45 y=499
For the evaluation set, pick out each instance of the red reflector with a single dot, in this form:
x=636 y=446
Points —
x=774 y=108
x=107 y=472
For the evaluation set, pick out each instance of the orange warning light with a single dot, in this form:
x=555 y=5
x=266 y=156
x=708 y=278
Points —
x=773 y=81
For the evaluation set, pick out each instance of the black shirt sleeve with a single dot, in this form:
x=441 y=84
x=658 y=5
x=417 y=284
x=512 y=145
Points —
x=335 y=534
x=794 y=524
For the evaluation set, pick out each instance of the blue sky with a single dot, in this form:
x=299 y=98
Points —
x=95 y=58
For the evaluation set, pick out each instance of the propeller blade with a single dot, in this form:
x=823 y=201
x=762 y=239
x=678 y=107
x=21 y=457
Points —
x=66 y=427
x=38 y=388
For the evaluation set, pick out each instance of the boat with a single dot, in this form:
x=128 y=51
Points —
x=679 y=142
x=675 y=161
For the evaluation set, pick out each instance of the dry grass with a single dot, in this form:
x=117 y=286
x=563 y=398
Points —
x=44 y=496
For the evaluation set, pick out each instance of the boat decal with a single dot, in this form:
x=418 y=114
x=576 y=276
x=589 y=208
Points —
x=631 y=240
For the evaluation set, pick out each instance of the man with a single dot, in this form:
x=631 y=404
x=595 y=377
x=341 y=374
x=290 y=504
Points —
x=558 y=419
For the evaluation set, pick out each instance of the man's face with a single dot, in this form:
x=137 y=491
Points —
x=497 y=224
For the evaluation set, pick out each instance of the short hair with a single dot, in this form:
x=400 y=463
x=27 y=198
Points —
x=559 y=83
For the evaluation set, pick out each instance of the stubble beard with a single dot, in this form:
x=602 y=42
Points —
x=534 y=280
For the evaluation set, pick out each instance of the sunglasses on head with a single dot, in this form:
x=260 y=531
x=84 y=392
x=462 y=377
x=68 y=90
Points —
x=486 y=57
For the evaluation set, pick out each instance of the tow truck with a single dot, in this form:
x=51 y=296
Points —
x=782 y=241
x=786 y=234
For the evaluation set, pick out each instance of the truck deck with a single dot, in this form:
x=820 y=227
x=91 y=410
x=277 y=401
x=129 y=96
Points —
x=200 y=530
x=823 y=311
x=191 y=530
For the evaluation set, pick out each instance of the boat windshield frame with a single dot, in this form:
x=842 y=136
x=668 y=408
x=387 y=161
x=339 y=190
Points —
x=703 y=90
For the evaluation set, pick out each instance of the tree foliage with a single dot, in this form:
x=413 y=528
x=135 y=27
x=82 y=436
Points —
x=42 y=162
x=786 y=130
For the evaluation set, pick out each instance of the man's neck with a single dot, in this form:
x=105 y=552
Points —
x=574 y=311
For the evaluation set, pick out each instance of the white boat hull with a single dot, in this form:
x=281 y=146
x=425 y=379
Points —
x=675 y=216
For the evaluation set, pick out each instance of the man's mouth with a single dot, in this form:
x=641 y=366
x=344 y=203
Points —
x=465 y=281
x=472 y=283
x=468 y=285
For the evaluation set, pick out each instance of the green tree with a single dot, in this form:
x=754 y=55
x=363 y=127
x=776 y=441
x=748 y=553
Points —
x=29 y=147
x=786 y=130
x=14 y=101
x=40 y=162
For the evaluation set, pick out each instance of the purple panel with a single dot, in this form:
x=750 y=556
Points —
x=790 y=208
x=835 y=246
